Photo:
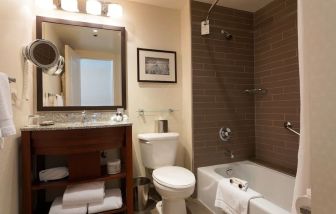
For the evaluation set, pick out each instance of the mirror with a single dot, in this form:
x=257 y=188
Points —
x=93 y=76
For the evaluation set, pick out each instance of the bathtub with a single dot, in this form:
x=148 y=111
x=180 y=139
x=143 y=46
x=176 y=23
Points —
x=276 y=187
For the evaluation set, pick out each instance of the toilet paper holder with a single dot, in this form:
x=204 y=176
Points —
x=305 y=210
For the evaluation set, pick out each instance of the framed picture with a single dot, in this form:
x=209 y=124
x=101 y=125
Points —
x=156 y=66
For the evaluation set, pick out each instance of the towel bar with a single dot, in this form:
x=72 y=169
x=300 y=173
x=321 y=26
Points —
x=142 y=111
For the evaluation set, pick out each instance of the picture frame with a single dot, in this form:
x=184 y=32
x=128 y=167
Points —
x=157 y=66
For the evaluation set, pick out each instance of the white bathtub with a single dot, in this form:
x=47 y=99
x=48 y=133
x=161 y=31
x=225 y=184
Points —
x=276 y=187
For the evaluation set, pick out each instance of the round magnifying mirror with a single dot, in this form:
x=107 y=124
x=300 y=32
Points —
x=43 y=53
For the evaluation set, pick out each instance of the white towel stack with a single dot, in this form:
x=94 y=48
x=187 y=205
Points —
x=80 y=194
x=7 y=126
x=78 y=199
x=57 y=208
x=112 y=201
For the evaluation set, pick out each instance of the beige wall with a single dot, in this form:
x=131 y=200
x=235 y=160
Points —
x=147 y=27
x=16 y=20
x=319 y=46
x=186 y=84
x=156 y=28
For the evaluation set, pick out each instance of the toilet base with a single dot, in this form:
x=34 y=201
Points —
x=177 y=206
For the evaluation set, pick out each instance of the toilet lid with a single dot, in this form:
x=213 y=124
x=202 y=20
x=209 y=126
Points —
x=174 y=177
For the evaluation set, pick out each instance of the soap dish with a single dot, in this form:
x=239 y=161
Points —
x=47 y=123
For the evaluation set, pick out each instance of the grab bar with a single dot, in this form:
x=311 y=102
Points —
x=289 y=126
x=255 y=91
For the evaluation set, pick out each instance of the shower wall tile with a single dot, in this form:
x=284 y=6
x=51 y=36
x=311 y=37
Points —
x=276 y=69
x=222 y=69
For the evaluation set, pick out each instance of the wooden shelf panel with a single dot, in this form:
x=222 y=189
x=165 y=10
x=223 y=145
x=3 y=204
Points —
x=122 y=209
x=65 y=182
x=45 y=207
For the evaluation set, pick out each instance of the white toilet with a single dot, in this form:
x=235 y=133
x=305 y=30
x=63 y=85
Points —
x=173 y=183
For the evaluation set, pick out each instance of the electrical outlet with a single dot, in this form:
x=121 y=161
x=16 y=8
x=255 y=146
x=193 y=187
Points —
x=205 y=27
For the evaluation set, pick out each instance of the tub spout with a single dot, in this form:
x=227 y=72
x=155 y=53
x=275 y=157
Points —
x=228 y=152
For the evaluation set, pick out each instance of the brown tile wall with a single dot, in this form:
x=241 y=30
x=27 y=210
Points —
x=277 y=70
x=262 y=53
x=222 y=69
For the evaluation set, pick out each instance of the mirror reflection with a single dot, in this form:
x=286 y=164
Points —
x=92 y=67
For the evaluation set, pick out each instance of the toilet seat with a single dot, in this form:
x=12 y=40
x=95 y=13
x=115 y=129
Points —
x=174 y=177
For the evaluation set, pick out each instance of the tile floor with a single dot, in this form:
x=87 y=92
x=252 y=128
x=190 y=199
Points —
x=193 y=205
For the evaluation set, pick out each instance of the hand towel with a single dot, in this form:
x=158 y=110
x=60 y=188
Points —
x=57 y=208
x=59 y=100
x=51 y=100
x=112 y=201
x=7 y=126
x=80 y=194
x=233 y=200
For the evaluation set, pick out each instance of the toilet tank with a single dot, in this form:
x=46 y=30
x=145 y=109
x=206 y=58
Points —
x=158 y=149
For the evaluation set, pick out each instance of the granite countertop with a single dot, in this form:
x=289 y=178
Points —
x=76 y=125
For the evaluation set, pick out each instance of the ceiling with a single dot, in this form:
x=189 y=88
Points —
x=82 y=38
x=247 y=5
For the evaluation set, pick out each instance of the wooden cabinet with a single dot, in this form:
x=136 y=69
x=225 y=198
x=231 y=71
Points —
x=82 y=148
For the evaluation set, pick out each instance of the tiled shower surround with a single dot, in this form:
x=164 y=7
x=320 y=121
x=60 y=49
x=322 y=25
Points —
x=261 y=54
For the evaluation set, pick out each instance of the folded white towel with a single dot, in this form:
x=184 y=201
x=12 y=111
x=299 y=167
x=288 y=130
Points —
x=112 y=201
x=57 y=208
x=80 y=194
x=233 y=200
x=7 y=126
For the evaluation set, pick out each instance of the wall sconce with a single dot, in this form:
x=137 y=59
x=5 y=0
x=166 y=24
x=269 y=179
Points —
x=115 y=10
x=69 y=5
x=93 y=7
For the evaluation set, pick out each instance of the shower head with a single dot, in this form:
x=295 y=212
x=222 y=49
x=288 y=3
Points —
x=226 y=34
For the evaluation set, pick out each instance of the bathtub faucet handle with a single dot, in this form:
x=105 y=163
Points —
x=225 y=134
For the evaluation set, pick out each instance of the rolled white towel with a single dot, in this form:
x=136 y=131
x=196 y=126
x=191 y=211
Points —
x=80 y=194
x=57 y=208
x=112 y=201
x=241 y=184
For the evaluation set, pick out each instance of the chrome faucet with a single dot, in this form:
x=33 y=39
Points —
x=84 y=117
x=229 y=152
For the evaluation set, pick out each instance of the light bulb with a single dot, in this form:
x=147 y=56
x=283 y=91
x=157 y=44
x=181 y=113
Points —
x=115 y=10
x=69 y=5
x=93 y=7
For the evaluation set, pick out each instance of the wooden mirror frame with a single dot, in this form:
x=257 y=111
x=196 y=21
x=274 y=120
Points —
x=39 y=80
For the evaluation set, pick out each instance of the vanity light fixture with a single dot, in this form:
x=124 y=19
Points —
x=93 y=7
x=46 y=4
x=115 y=10
x=69 y=5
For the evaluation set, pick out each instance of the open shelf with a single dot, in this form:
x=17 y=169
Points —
x=122 y=209
x=44 y=209
x=38 y=185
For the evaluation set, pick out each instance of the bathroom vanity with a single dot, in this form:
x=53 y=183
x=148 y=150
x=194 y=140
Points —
x=82 y=145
